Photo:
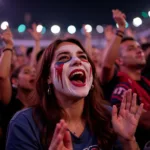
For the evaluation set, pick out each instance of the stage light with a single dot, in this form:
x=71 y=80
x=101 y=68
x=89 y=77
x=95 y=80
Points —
x=71 y=29
x=149 y=13
x=39 y=28
x=55 y=29
x=144 y=14
x=21 y=28
x=137 y=22
x=4 y=25
x=99 y=29
x=88 y=28
x=43 y=30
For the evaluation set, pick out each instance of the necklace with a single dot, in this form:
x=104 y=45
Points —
x=77 y=129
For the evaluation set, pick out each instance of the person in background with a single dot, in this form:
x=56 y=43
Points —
x=131 y=61
x=37 y=37
x=92 y=51
x=23 y=82
x=69 y=113
x=146 y=49
x=108 y=73
x=5 y=66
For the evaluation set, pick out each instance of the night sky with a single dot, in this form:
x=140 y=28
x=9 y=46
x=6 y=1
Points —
x=66 y=12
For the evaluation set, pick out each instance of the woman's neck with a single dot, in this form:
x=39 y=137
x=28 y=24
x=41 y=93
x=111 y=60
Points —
x=134 y=74
x=24 y=97
x=74 y=119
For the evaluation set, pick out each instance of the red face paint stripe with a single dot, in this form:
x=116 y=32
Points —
x=59 y=69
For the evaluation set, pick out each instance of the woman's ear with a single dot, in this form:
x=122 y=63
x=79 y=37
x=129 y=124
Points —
x=14 y=82
x=49 y=80
x=119 y=61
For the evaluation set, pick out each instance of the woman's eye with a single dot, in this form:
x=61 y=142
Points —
x=83 y=57
x=64 y=58
x=26 y=72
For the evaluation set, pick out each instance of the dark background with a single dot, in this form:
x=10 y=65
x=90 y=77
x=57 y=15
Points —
x=66 y=12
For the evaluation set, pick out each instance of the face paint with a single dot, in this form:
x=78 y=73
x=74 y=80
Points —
x=90 y=72
x=59 y=69
x=72 y=77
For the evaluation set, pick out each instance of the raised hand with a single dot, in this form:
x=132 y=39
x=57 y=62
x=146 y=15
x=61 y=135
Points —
x=125 y=122
x=87 y=34
x=61 y=139
x=7 y=37
x=109 y=33
x=119 y=18
x=36 y=35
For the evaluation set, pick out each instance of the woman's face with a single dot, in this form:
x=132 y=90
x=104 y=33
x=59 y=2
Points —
x=71 y=72
x=26 y=78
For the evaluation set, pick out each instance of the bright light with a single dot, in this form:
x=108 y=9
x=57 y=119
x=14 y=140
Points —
x=4 y=25
x=71 y=29
x=99 y=29
x=21 y=28
x=39 y=28
x=137 y=22
x=43 y=30
x=88 y=28
x=55 y=29
x=149 y=13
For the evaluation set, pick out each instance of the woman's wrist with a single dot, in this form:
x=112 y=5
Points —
x=130 y=143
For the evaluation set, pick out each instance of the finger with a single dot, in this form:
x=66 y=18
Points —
x=63 y=128
x=139 y=111
x=7 y=28
x=30 y=31
x=133 y=103
x=128 y=99
x=56 y=143
x=57 y=130
x=123 y=103
x=67 y=140
x=114 y=113
x=34 y=26
x=124 y=16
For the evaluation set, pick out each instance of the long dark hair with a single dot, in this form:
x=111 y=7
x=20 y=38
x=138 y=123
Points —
x=48 y=111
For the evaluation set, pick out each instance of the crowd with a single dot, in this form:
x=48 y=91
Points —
x=73 y=96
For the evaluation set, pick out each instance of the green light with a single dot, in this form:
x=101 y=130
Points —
x=127 y=25
x=21 y=28
x=43 y=30
x=144 y=14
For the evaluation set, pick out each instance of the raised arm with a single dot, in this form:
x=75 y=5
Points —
x=5 y=67
x=88 y=41
x=111 y=53
x=37 y=37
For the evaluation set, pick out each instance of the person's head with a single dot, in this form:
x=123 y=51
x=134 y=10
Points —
x=131 y=54
x=20 y=60
x=24 y=78
x=146 y=49
x=68 y=72
x=29 y=52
